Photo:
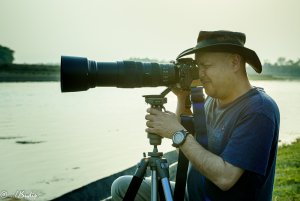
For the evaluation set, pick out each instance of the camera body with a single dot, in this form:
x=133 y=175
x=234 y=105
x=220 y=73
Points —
x=80 y=74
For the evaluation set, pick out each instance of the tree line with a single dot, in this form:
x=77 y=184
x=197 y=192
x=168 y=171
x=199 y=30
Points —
x=6 y=55
x=282 y=68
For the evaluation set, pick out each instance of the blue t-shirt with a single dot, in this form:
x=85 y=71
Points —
x=245 y=134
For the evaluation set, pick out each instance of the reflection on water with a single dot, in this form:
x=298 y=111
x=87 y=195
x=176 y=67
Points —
x=59 y=142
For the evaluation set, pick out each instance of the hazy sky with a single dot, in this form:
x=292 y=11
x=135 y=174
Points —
x=40 y=31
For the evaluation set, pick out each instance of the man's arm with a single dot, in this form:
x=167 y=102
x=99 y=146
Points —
x=213 y=167
x=221 y=173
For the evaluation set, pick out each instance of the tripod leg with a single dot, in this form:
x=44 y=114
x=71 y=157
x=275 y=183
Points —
x=157 y=188
x=153 y=185
x=136 y=181
x=163 y=171
x=167 y=189
x=161 y=191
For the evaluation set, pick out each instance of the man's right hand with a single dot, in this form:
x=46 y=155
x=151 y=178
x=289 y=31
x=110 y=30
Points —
x=182 y=96
x=180 y=93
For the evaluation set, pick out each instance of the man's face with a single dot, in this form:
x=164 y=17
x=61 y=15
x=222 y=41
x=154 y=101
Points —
x=215 y=72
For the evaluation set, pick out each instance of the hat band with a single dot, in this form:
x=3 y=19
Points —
x=212 y=42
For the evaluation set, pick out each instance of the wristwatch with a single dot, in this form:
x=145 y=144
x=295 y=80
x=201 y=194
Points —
x=179 y=138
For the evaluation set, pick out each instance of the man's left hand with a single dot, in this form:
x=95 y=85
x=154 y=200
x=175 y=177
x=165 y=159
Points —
x=161 y=123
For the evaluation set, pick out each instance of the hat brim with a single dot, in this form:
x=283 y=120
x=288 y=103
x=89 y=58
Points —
x=249 y=55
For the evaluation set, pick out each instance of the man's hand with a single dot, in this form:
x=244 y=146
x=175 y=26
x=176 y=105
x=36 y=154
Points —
x=180 y=93
x=164 y=124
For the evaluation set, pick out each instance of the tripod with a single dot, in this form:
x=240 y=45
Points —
x=159 y=166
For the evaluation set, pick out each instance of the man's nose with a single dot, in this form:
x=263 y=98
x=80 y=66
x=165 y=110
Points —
x=201 y=72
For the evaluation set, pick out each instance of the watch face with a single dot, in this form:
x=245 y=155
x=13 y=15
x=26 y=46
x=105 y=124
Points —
x=178 y=137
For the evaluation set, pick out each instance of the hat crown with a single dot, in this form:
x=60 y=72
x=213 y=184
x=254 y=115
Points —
x=224 y=41
x=237 y=38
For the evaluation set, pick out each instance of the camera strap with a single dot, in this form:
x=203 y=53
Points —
x=198 y=129
x=198 y=99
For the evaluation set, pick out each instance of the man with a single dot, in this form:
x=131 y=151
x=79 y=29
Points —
x=242 y=124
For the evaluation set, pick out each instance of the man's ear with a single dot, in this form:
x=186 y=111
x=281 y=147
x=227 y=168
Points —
x=236 y=61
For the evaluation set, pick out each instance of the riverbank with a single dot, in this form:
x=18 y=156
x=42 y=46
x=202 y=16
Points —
x=286 y=186
x=272 y=77
x=29 y=73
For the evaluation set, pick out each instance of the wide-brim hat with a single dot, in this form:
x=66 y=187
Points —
x=225 y=41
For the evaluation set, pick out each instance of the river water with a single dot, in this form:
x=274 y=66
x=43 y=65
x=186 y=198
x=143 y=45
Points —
x=53 y=142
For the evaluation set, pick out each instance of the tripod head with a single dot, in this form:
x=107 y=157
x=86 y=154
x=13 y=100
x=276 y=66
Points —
x=157 y=102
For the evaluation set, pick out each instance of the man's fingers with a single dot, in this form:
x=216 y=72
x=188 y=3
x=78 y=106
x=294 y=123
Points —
x=150 y=130
x=153 y=111
x=149 y=117
x=149 y=124
x=168 y=112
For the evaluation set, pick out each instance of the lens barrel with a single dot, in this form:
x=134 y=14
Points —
x=79 y=74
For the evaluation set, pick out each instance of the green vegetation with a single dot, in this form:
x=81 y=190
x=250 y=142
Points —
x=287 y=178
x=281 y=70
x=10 y=72
x=29 y=72
x=147 y=60
x=6 y=55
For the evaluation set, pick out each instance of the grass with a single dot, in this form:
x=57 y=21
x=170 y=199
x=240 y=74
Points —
x=287 y=177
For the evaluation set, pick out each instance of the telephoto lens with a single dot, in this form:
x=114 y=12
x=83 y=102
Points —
x=80 y=74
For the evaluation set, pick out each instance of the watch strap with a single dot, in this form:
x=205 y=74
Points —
x=185 y=132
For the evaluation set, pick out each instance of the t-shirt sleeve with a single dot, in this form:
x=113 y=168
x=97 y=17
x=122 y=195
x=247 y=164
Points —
x=250 y=144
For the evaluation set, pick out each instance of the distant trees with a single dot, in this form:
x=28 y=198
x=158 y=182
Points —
x=281 y=61
x=282 y=68
x=6 y=55
x=137 y=59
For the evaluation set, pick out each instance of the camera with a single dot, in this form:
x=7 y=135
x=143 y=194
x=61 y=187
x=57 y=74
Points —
x=79 y=74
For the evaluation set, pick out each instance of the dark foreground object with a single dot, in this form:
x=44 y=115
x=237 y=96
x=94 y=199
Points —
x=100 y=189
